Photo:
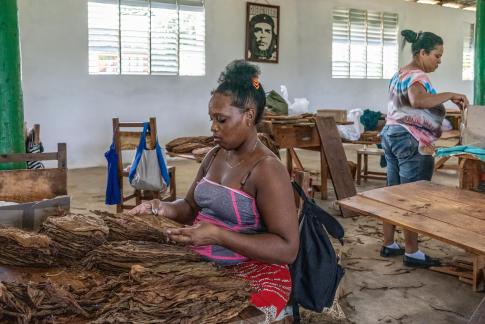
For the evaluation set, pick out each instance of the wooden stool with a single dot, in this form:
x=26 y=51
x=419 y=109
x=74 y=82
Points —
x=364 y=173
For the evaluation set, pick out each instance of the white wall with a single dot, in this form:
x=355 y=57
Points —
x=75 y=107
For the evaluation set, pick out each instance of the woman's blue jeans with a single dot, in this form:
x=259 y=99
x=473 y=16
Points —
x=404 y=162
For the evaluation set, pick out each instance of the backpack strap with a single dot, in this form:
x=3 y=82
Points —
x=296 y=311
x=299 y=190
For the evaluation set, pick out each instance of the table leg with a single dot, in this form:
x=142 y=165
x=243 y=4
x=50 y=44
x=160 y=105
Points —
x=478 y=272
x=295 y=160
x=323 y=175
x=469 y=173
x=359 y=167
x=289 y=162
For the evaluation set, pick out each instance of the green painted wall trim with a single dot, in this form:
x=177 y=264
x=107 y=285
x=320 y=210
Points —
x=479 y=83
x=11 y=106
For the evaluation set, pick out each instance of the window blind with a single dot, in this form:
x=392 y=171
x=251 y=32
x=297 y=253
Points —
x=468 y=52
x=146 y=37
x=164 y=37
x=103 y=38
x=192 y=38
x=364 y=44
x=135 y=36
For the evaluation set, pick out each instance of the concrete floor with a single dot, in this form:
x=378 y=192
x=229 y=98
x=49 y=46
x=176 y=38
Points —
x=375 y=290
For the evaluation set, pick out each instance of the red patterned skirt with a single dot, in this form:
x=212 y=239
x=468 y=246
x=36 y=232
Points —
x=271 y=284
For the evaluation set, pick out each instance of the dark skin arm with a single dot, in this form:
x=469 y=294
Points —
x=420 y=99
x=274 y=196
x=181 y=210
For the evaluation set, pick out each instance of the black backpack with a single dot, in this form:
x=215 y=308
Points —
x=315 y=274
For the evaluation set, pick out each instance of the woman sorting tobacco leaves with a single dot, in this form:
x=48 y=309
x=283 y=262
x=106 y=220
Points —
x=240 y=211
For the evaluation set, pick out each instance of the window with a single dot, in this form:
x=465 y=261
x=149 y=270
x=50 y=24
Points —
x=468 y=52
x=165 y=37
x=364 y=44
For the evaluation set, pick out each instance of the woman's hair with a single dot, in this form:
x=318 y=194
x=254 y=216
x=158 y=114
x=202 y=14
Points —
x=240 y=80
x=427 y=41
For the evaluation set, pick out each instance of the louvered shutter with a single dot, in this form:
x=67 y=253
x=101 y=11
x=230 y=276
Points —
x=374 y=45
x=468 y=52
x=164 y=37
x=364 y=44
x=358 y=44
x=103 y=37
x=135 y=36
x=191 y=37
x=340 y=44
x=390 y=41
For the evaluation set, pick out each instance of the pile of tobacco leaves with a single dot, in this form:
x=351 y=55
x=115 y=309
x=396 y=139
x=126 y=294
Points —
x=124 y=227
x=138 y=278
x=21 y=248
x=75 y=234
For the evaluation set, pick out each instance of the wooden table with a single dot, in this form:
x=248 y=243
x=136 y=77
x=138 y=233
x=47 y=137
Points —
x=451 y=215
x=304 y=136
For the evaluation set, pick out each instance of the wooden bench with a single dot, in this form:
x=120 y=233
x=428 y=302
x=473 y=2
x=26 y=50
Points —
x=448 y=214
x=363 y=172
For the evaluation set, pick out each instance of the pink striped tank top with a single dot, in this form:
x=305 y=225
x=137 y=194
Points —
x=228 y=208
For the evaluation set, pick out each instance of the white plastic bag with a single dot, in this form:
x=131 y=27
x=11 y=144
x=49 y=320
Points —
x=299 y=106
x=284 y=94
x=148 y=175
x=352 y=132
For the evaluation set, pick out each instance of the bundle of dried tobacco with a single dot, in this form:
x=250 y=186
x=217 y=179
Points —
x=21 y=248
x=149 y=296
x=120 y=256
x=35 y=302
x=124 y=227
x=75 y=234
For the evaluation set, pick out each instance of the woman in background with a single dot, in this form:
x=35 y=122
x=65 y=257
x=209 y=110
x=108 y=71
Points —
x=415 y=115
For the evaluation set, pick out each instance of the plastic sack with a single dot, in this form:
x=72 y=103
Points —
x=284 y=93
x=352 y=132
x=299 y=106
x=149 y=170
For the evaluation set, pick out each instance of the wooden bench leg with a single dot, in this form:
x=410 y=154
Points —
x=366 y=167
x=441 y=162
x=478 y=272
x=359 y=168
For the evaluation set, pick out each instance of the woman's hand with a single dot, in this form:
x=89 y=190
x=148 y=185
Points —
x=147 y=207
x=200 y=234
x=460 y=100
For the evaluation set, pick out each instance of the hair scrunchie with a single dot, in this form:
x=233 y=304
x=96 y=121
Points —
x=256 y=83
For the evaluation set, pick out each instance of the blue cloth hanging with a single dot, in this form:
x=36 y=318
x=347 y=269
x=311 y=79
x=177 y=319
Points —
x=139 y=152
x=477 y=152
x=113 y=190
